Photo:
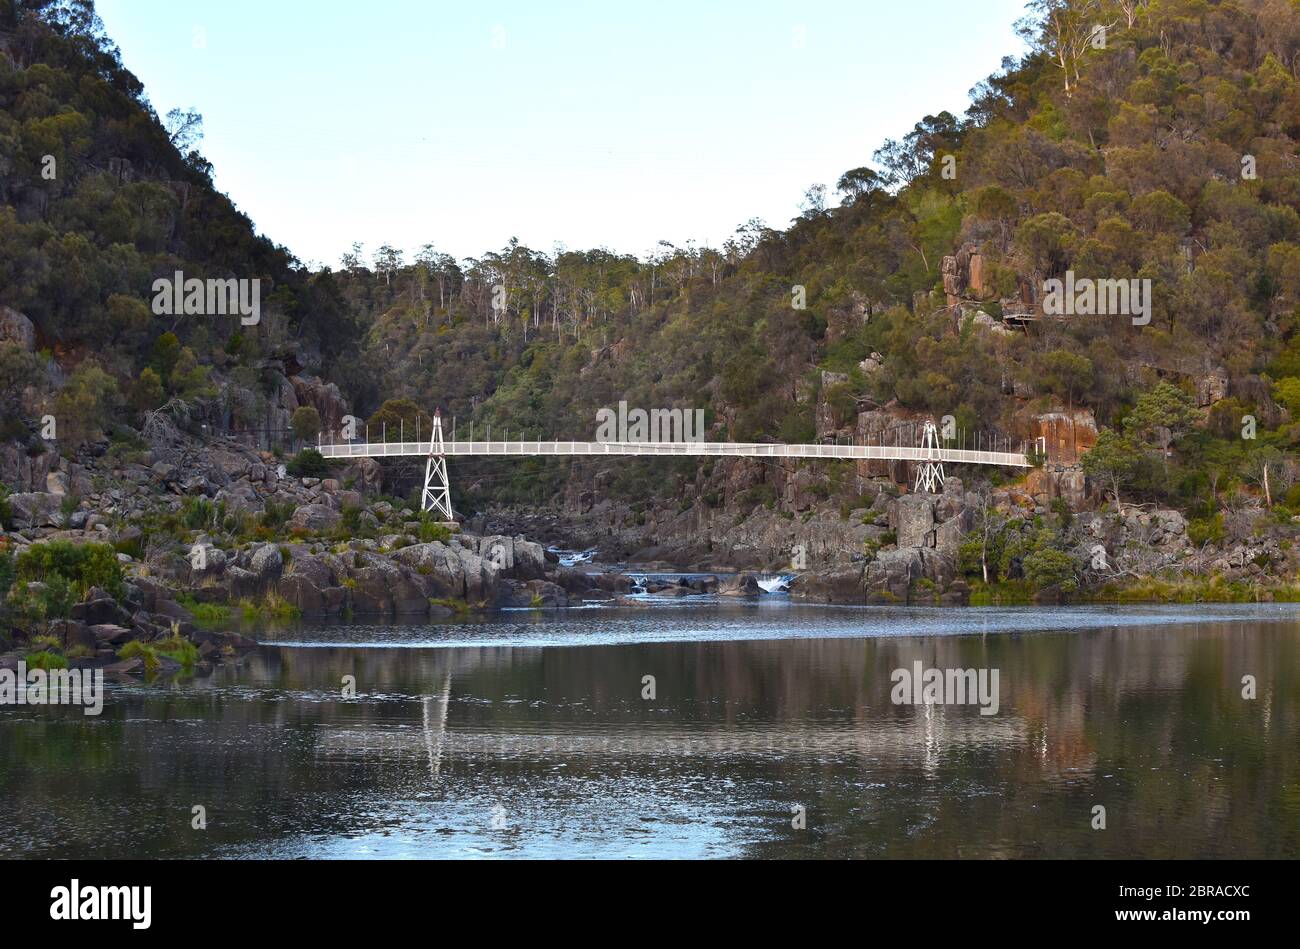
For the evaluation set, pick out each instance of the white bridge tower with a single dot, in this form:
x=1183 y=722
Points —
x=436 y=496
x=929 y=476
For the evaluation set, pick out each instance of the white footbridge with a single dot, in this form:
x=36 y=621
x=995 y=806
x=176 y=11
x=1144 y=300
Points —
x=929 y=455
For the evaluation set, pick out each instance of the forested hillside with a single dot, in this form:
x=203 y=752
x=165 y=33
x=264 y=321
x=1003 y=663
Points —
x=98 y=197
x=1164 y=149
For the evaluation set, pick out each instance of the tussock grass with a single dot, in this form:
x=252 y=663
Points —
x=271 y=607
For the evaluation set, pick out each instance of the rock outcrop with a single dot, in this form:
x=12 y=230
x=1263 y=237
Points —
x=16 y=328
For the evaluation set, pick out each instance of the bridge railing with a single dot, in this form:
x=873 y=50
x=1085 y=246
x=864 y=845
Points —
x=676 y=449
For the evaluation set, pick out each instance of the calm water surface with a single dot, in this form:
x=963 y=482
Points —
x=526 y=735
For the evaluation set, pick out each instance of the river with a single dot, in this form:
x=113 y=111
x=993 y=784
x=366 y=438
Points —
x=770 y=732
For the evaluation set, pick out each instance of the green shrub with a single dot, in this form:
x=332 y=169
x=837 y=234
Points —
x=1001 y=593
x=350 y=520
x=305 y=422
x=309 y=463
x=1206 y=530
x=1061 y=508
x=200 y=514
x=1050 y=568
x=56 y=599
x=82 y=566
x=45 y=660
x=1292 y=499
x=177 y=647
x=174 y=647
x=459 y=607
x=970 y=554
x=271 y=607
x=206 y=614
x=133 y=547
x=431 y=532
x=138 y=650
x=7 y=575
x=275 y=515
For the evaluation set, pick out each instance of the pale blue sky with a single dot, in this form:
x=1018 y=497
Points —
x=582 y=123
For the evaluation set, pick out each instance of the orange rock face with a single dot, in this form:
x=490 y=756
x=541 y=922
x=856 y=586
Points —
x=1069 y=435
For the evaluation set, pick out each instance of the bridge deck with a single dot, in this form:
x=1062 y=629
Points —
x=680 y=449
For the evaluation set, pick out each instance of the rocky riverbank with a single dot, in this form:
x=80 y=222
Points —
x=1047 y=537
x=148 y=547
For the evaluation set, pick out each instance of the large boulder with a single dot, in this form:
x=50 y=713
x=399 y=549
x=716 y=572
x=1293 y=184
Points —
x=534 y=593
x=949 y=535
x=365 y=474
x=56 y=483
x=147 y=592
x=171 y=611
x=206 y=561
x=1168 y=528
x=315 y=569
x=24 y=472
x=547 y=594
x=499 y=550
x=742 y=584
x=241 y=583
x=386 y=588
x=512 y=556
x=371 y=593
x=1059 y=481
x=110 y=634
x=302 y=593
x=100 y=609
x=612 y=582
x=480 y=576
x=35 y=509
x=238 y=496
x=954 y=518
x=986 y=323
x=441 y=564
x=574 y=581
x=835 y=585
x=75 y=633
x=913 y=521
x=890 y=575
x=530 y=560
x=312 y=583
x=940 y=566
x=267 y=563
x=315 y=518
